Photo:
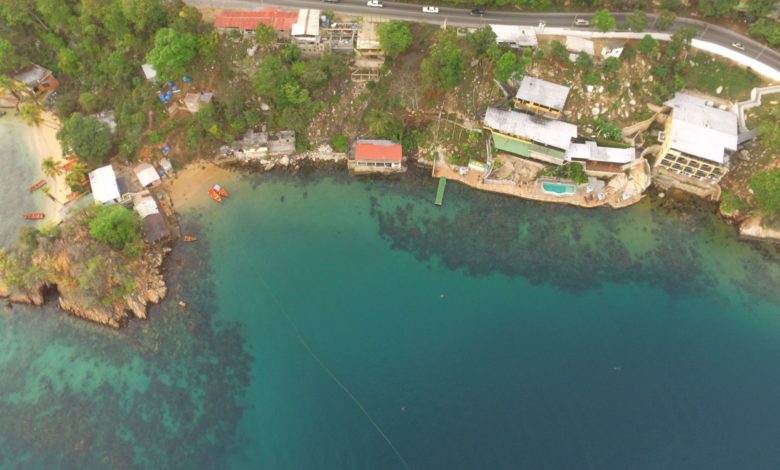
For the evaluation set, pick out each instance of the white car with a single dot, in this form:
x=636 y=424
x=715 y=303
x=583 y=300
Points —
x=738 y=45
x=581 y=22
x=430 y=9
x=374 y=3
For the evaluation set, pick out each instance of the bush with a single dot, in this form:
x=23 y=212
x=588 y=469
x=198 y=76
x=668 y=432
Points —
x=767 y=29
x=766 y=190
x=115 y=226
x=339 y=143
x=572 y=171
x=394 y=37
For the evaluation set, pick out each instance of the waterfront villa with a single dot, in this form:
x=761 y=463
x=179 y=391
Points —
x=534 y=137
x=697 y=139
x=601 y=161
x=541 y=97
x=376 y=156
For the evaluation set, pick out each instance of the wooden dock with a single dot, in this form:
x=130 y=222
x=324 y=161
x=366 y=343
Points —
x=440 y=191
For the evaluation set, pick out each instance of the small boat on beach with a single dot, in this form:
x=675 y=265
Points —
x=37 y=185
x=190 y=238
x=220 y=190
x=34 y=215
x=215 y=195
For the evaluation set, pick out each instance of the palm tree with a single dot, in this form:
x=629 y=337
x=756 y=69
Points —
x=31 y=113
x=75 y=177
x=51 y=168
x=13 y=87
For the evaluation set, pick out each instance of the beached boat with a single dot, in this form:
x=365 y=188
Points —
x=37 y=185
x=220 y=190
x=190 y=238
x=34 y=215
x=215 y=195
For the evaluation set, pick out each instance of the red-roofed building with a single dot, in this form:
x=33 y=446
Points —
x=377 y=156
x=281 y=21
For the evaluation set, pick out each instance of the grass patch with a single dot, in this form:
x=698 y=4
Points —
x=731 y=203
x=707 y=74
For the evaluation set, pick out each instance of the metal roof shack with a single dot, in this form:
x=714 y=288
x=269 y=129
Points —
x=155 y=228
x=193 y=101
x=103 y=184
x=515 y=36
x=541 y=92
x=549 y=132
x=147 y=175
x=149 y=72
x=280 y=21
x=590 y=151
x=378 y=151
x=307 y=26
x=700 y=130
x=38 y=79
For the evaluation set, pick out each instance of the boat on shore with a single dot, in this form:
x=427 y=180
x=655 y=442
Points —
x=37 y=185
x=220 y=190
x=34 y=215
x=215 y=195
x=190 y=238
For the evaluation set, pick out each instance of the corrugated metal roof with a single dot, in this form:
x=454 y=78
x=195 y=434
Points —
x=307 y=24
x=378 y=150
x=280 y=21
x=103 y=184
x=146 y=174
x=542 y=92
x=545 y=131
x=517 y=35
x=593 y=152
x=700 y=130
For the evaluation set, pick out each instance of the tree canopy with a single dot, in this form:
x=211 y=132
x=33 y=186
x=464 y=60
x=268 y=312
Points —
x=766 y=190
x=443 y=68
x=603 y=21
x=87 y=137
x=172 y=52
x=115 y=225
x=394 y=37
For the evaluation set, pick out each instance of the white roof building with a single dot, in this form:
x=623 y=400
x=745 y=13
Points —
x=700 y=130
x=147 y=175
x=145 y=206
x=590 y=151
x=549 y=132
x=538 y=91
x=149 y=72
x=515 y=36
x=103 y=184
x=307 y=27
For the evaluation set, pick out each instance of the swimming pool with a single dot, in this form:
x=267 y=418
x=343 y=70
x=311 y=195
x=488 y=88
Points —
x=558 y=189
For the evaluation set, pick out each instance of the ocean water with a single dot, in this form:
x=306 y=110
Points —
x=348 y=323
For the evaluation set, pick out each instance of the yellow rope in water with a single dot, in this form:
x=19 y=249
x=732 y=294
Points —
x=331 y=374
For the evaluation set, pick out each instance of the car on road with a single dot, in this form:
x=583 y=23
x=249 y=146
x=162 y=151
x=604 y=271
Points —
x=581 y=22
x=738 y=45
x=478 y=12
x=430 y=9
x=374 y=3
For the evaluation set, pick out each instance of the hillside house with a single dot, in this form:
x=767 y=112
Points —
x=38 y=82
x=193 y=101
x=376 y=156
x=153 y=223
x=147 y=175
x=306 y=29
x=697 y=139
x=602 y=161
x=530 y=136
x=541 y=97
x=105 y=189
x=514 y=36
x=247 y=21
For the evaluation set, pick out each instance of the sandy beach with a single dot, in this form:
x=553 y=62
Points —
x=42 y=143
x=192 y=183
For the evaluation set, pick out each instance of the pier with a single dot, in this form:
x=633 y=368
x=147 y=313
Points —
x=440 y=191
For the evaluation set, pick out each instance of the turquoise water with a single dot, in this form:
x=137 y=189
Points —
x=349 y=323
x=558 y=188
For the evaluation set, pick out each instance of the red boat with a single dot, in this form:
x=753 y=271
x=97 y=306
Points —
x=215 y=195
x=34 y=215
x=220 y=190
x=37 y=185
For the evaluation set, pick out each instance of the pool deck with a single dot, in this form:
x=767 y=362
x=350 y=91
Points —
x=534 y=192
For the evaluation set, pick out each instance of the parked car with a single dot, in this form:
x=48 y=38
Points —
x=430 y=9
x=738 y=45
x=478 y=12
x=581 y=22
x=374 y=3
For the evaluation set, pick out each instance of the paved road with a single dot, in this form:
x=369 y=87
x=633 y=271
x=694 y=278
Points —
x=462 y=17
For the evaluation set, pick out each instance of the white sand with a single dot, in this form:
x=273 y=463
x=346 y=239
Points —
x=192 y=184
x=42 y=143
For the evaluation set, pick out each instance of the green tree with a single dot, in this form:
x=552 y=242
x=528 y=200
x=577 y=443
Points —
x=583 y=62
x=766 y=190
x=172 y=52
x=680 y=41
x=339 y=143
x=603 y=21
x=291 y=53
x=385 y=125
x=665 y=20
x=716 y=8
x=505 y=66
x=87 y=137
x=31 y=113
x=265 y=36
x=648 y=45
x=768 y=130
x=115 y=226
x=559 y=52
x=480 y=40
x=9 y=59
x=611 y=65
x=89 y=102
x=394 y=37
x=13 y=87
x=269 y=77
x=637 y=21
x=443 y=68
x=51 y=168
x=768 y=29
x=75 y=177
